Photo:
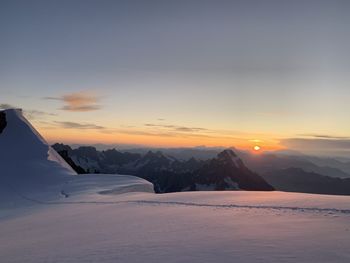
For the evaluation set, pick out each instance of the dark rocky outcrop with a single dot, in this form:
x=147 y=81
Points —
x=78 y=169
x=3 y=122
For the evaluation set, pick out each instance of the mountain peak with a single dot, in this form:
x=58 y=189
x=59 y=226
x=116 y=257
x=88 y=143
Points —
x=20 y=142
x=228 y=152
x=152 y=154
x=229 y=155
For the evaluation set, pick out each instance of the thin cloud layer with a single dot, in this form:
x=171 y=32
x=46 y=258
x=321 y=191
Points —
x=76 y=125
x=177 y=128
x=37 y=114
x=324 y=136
x=78 y=101
x=317 y=144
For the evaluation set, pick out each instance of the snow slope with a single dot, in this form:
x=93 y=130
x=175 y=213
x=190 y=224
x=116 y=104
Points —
x=30 y=170
x=182 y=227
x=20 y=142
x=49 y=214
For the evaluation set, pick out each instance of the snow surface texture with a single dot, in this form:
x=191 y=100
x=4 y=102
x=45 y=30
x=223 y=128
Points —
x=227 y=226
x=48 y=214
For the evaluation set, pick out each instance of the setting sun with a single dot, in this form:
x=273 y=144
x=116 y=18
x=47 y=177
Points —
x=257 y=148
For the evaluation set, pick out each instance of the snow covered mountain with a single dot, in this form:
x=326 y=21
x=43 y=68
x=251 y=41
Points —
x=50 y=214
x=21 y=142
x=265 y=162
x=224 y=172
x=32 y=170
x=169 y=174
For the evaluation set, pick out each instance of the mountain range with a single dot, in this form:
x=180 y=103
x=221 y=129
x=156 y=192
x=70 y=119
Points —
x=298 y=180
x=224 y=172
x=195 y=169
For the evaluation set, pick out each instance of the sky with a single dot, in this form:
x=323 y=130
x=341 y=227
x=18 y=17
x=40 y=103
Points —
x=181 y=73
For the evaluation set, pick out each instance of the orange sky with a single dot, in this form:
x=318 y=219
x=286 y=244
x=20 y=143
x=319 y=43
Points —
x=148 y=139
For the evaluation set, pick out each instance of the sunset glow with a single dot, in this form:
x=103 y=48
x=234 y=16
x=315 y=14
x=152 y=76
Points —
x=132 y=88
x=174 y=131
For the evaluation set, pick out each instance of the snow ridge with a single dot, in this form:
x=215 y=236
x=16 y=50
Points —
x=32 y=172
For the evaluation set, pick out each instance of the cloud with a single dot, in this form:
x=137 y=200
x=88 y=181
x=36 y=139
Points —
x=78 y=101
x=82 y=126
x=317 y=144
x=171 y=130
x=177 y=128
x=37 y=114
x=323 y=136
x=162 y=130
x=145 y=133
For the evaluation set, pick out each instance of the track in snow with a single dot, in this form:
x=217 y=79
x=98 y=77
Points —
x=192 y=204
x=228 y=206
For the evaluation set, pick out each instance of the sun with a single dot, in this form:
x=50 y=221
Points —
x=257 y=148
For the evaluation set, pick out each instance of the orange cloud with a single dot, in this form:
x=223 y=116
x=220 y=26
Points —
x=78 y=101
x=81 y=126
